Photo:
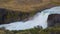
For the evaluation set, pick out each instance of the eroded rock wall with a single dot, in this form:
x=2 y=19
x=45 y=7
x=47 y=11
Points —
x=8 y=16
x=53 y=20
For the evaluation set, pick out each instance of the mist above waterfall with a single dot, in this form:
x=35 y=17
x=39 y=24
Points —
x=39 y=18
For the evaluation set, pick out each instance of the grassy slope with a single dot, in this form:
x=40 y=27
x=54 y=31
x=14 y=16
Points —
x=20 y=6
x=36 y=30
x=24 y=5
x=27 y=5
x=56 y=2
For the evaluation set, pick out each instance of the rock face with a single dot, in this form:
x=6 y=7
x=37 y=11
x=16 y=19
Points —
x=7 y=16
x=53 y=19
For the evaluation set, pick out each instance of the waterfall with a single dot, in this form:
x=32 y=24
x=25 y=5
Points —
x=39 y=19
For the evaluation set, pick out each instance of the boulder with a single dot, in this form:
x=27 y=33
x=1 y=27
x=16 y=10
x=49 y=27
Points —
x=53 y=20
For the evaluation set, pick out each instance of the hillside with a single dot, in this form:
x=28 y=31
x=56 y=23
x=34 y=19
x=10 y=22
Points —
x=25 y=5
x=17 y=10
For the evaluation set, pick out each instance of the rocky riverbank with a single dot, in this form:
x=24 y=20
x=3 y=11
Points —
x=7 y=16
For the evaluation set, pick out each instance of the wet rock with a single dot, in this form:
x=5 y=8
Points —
x=53 y=19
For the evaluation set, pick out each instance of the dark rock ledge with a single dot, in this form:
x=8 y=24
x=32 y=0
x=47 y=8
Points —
x=8 y=16
x=53 y=20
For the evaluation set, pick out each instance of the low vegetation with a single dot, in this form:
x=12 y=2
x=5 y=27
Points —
x=35 y=30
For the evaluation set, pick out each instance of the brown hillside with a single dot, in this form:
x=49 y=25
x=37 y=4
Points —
x=22 y=10
x=24 y=5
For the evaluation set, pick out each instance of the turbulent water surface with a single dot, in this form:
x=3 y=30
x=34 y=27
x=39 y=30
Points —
x=39 y=19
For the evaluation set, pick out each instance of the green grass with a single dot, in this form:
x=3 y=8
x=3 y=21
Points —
x=36 y=30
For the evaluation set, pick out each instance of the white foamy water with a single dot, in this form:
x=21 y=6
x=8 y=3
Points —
x=39 y=19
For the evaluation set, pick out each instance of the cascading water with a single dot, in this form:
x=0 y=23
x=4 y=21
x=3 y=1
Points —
x=39 y=19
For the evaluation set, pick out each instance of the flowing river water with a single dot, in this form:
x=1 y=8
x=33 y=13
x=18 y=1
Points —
x=39 y=19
